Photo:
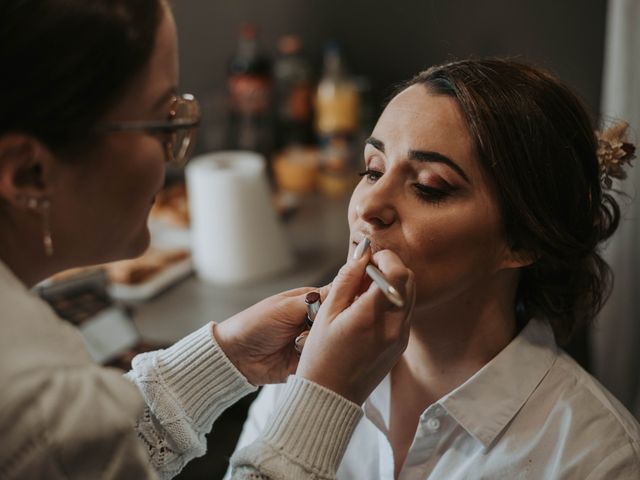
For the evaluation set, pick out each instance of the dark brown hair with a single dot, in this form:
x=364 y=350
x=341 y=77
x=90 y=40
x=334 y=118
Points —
x=536 y=142
x=65 y=62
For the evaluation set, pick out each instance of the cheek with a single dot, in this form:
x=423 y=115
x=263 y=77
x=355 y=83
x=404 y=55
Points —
x=353 y=202
x=141 y=173
x=124 y=180
x=453 y=250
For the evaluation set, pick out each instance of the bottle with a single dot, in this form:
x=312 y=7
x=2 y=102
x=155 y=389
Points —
x=293 y=93
x=250 y=85
x=337 y=119
x=337 y=103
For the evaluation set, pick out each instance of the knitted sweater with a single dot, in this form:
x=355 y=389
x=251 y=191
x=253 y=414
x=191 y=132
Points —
x=62 y=416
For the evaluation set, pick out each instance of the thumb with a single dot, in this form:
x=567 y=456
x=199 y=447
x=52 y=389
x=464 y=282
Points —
x=324 y=291
x=348 y=281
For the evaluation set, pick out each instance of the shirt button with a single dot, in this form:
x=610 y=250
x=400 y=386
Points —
x=433 y=424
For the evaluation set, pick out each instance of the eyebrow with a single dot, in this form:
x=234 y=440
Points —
x=423 y=156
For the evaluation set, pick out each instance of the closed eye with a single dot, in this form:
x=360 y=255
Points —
x=430 y=194
x=370 y=175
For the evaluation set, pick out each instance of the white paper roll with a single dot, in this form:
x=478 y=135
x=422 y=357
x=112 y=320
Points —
x=236 y=235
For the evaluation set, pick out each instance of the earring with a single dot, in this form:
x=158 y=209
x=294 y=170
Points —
x=47 y=240
x=44 y=206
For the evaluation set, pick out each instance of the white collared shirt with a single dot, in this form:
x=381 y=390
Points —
x=531 y=412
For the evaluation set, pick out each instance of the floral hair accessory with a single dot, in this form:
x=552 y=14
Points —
x=614 y=153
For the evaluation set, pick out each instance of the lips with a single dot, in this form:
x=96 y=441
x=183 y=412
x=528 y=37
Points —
x=375 y=246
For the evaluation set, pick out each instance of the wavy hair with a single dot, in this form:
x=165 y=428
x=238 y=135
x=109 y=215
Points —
x=66 y=62
x=536 y=142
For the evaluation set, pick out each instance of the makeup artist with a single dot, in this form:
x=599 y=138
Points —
x=89 y=116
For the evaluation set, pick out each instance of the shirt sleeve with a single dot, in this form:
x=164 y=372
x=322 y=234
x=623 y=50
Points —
x=78 y=425
x=185 y=388
x=304 y=438
x=261 y=409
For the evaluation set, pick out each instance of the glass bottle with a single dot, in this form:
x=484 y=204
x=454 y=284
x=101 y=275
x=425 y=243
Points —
x=337 y=95
x=337 y=110
x=337 y=120
x=250 y=85
x=293 y=93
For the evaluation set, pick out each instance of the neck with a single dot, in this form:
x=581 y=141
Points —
x=451 y=342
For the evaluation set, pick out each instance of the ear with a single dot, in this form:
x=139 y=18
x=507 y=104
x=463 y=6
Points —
x=516 y=258
x=26 y=168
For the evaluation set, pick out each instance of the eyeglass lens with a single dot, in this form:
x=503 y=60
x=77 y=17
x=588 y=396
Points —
x=181 y=141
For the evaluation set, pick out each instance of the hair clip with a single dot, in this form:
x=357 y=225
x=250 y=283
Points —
x=614 y=153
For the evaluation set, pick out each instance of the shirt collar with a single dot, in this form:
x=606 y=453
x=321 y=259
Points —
x=9 y=278
x=490 y=399
x=376 y=407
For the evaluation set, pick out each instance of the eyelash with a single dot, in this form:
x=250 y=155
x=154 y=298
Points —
x=370 y=174
x=424 y=192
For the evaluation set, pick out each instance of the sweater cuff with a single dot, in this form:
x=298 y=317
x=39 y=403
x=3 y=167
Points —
x=201 y=377
x=312 y=425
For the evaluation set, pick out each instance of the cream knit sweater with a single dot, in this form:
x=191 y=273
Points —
x=64 y=417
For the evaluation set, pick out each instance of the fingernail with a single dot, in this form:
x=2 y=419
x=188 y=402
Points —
x=300 y=340
x=361 y=248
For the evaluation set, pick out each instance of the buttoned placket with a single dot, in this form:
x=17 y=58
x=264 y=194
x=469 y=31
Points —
x=433 y=424
x=466 y=433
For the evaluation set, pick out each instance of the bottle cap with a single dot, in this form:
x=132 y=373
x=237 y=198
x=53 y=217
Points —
x=289 y=44
x=248 y=30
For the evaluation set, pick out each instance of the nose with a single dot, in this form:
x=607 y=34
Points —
x=376 y=207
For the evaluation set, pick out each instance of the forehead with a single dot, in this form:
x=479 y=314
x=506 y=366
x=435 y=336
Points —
x=163 y=64
x=158 y=76
x=416 y=119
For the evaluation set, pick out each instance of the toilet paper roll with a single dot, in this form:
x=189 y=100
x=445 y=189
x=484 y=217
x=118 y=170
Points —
x=236 y=236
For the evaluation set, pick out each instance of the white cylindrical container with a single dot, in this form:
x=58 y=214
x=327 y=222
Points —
x=236 y=234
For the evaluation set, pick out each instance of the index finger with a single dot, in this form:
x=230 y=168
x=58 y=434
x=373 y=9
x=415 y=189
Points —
x=392 y=274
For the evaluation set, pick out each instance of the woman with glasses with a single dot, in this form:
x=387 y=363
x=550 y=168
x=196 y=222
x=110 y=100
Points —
x=89 y=118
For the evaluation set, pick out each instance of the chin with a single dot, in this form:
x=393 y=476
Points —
x=140 y=244
x=135 y=247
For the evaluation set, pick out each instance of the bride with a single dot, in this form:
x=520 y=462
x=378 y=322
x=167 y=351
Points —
x=483 y=177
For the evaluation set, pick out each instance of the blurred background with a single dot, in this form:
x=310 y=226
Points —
x=390 y=41
x=302 y=83
x=307 y=51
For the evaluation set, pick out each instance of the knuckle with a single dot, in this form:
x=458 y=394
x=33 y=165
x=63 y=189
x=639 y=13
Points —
x=391 y=265
x=393 y=334
x=399 y=273
x=344 y=272
x=385 y=257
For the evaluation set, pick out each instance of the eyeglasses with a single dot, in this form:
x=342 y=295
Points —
x=178 y=133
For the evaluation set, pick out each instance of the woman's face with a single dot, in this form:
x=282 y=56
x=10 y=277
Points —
x=99 y=212
x=425 y=197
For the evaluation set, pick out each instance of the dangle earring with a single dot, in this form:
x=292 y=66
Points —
x=47 y=240
x=44 y=207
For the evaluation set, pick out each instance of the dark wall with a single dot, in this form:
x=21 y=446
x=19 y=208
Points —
x=390 y=41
